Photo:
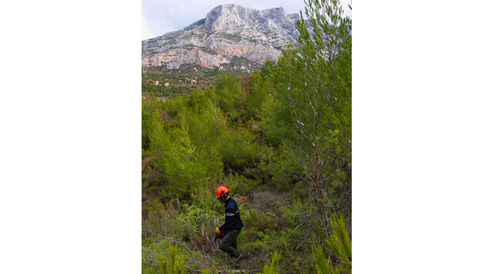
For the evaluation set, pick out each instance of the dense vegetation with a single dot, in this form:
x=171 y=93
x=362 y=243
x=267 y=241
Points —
x=280 y=140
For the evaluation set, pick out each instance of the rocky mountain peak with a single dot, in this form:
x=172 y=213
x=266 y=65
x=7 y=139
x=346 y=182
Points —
x=224 y=16
x=228 y=31
x=232 y=17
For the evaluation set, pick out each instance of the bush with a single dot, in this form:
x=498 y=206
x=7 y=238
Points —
x=323 y=266
x=198 y=225
x=340 y=243
x=226 y=92
x=273 y=267
x=171 y=264
x=182 y=169
x=281 y=170
x=239 y=150
x=158 y=221
x=238 y=184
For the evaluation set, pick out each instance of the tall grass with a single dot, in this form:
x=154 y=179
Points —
x=339 y=243
x=273 y=267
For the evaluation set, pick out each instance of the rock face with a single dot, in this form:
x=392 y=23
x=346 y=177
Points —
x=230 y=37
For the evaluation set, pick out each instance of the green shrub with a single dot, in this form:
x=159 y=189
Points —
x=280 y=170
x=176 y=264
x=238 y=184
x=182 y=169
x=163 y=264
x=256 y=92
x=273 y=268
x=226 y=92
x=323 y=266
x=212 y=270
x=198 y=224
x=340 y=243
x=158 y=220
x=239 y=150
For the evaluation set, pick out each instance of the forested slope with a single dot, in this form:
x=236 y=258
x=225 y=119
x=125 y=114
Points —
x=280 y=140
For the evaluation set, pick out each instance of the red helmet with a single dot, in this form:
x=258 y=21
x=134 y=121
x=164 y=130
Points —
x=220 y=191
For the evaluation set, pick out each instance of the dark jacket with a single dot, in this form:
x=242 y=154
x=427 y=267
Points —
x=232 y=216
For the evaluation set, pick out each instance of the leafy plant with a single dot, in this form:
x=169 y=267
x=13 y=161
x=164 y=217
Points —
x=340 y=242
x=273 y=267
x=175 y=265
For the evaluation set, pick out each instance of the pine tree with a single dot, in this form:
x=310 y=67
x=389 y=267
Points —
x=313 y=83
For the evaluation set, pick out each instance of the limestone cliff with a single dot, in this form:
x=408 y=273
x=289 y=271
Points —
x=229 y=32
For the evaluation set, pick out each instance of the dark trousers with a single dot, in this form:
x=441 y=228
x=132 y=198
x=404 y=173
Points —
x=228 y=243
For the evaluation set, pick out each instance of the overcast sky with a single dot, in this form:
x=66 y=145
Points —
x=161 y=16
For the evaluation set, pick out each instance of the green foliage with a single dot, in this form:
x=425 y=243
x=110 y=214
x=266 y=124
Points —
x=227 y=90
x=182 y=169
x=184 y=144
x=282 y=170
x=159 y=221
x=206 y=125
x=176 y=265
x=340 y=242
x=210 y=271
x=238 y=149
x=255 y=93
x=239 y=184
x=323 y=266
x=198 y=224
x=147 y=121
x=263 y=222
x=273 y=267
x=311 y=117
x=163 y=264
x=275 y=122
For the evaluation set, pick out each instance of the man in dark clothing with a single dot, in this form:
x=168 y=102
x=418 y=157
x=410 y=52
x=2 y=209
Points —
x=232 y=225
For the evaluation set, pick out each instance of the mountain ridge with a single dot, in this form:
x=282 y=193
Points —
x=228 y=31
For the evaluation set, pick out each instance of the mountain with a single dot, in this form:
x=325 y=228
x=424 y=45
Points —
x=230 y=37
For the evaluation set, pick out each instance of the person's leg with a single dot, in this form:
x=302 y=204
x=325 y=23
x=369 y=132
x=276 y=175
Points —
x=228 y=242
x=235 y=243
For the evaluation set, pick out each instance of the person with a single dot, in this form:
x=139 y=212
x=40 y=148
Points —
x=232 y=225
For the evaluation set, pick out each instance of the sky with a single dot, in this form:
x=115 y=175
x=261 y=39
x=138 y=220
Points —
x=161 y=16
